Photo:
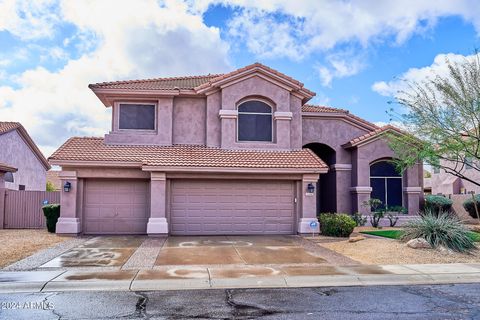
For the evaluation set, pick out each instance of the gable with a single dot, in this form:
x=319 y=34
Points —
x=10 y=127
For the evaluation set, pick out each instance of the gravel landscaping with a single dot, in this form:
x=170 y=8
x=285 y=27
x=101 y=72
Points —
x=388 y=251
x=20 y=243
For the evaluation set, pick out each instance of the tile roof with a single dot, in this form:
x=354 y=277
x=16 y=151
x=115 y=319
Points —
x=324 y=109
x=188 y=82
x=7 y=168
x=312 y=108
x=8 y=126
x=251 y=66
x=156 y=83
x=372 y=134
x=94 y=149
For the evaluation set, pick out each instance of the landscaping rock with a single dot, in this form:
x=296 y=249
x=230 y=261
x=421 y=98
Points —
x=419 y=243
x=356 y=238
x=445 y=250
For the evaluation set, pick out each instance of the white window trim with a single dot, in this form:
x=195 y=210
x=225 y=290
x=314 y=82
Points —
x=146 y=131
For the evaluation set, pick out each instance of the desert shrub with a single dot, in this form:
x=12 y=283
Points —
x=51 y=213
x=393 y=212
x=377 y=210
x=336 y=225
x=440 y=230
x=437 y=204
x=469 y=206
x=359 y=219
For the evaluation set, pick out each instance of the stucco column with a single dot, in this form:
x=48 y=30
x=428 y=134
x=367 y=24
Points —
x=228 y=120
x=309 y=205
x=360 y=194
x=157 y=223
x=412 y=197
x=343 y=178
x=69 y=221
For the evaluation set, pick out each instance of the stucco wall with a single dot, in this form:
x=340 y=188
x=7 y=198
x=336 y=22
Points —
x=15 y=152
x=332 y=132
x=189 y=116
x=257 y=87
x=445 y=183
x=375 y=150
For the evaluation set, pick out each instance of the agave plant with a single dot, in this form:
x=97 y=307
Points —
x=444 y=230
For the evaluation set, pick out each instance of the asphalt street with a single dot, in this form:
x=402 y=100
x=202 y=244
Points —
x=459 y=301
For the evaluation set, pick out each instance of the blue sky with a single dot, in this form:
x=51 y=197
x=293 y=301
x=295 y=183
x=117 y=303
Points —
x=354 y=55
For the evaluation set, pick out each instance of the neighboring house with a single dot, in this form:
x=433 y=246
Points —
x=18 y=150
x=54 y=179
x=238 y=153
x=446 y=183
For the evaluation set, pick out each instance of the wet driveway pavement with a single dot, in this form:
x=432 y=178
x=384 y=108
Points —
x=116 y=251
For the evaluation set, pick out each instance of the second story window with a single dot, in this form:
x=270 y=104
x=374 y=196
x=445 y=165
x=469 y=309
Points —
x=254 y=121
x=137 y=116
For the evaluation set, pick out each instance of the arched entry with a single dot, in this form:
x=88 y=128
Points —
x=386 y=183
x=326 y=186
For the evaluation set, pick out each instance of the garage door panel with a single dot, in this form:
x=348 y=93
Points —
x=116 y=206
x=231 y=207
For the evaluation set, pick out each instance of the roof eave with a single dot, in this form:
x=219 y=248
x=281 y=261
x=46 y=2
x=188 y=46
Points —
x=6 y=168
x=107 y=96
x=232 y=169
x=293 y=85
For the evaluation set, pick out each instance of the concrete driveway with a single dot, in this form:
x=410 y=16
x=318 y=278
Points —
x=129 y=251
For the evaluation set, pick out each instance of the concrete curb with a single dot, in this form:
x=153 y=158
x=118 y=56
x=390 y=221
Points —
x=38 y=281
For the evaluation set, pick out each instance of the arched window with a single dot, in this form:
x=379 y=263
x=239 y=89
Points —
x=386 y=183
x=254 y=121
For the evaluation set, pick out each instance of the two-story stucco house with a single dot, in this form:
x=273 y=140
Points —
x=236 y=153
x=18 y=150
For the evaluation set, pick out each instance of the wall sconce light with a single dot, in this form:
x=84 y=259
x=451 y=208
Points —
x=67 y=186
x=310 y=188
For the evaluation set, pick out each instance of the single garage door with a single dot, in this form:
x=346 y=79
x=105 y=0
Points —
x=115 y=207
x=200 y=207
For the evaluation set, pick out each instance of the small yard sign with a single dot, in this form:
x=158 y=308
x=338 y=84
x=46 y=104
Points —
x=313 y=226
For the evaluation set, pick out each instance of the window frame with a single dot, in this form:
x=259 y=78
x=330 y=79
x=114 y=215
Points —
x=117 y=107
x=385 y=180
x=269 y=104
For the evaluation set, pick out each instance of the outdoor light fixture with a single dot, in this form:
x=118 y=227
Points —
x=67 y=186
x=310 y=188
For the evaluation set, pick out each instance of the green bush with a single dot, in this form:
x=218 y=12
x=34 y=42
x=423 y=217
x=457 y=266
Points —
x=51 y=213
x=359 y=219
x=440 y=230
x=470 y=207
x=437 y=204
x=336 y=225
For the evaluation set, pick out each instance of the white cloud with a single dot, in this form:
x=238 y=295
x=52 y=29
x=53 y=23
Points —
x=295 y=29
x=417 y=75
x=157 y=40
x=339 y=65
x=29 y=19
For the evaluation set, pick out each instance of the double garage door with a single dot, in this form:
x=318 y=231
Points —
x=197 y=207
x=209 y=207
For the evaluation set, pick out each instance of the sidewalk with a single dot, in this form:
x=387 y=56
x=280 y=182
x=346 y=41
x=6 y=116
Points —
x=180 y=278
